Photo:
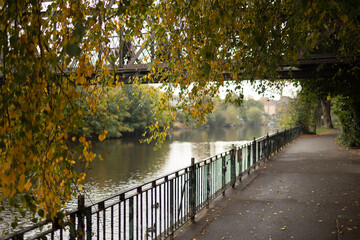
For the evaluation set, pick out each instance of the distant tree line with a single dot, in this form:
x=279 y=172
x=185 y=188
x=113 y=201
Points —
x=122 y=111
x=225 y=114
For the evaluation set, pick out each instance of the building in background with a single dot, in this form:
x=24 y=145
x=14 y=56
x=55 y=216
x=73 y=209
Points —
x=273 y=108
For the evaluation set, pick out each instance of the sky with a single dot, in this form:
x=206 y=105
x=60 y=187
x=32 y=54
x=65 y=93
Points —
x=289 y=90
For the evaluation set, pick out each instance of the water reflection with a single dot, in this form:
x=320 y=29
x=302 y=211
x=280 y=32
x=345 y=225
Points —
x=128 y=163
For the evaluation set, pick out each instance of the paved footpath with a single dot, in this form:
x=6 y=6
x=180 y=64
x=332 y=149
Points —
x=310 y=190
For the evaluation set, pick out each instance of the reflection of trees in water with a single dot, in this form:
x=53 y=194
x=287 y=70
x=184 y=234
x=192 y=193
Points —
x=127 y=162
x=219 y=134
x=125 y=159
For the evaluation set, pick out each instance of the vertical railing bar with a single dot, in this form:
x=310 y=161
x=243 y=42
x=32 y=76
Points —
x=171 y=208
x=192 y=193
x=98 y=225
x=88 y=223
x=122 y=199
x=52 y=234
x=166 y=211
x=160 y=208
x=112 y=222
x=141 y=212
x=104 y=223
x=131 y=218
x=136 y=231
x=156 y=206
x=176 y=179
x=182 y=199
x=152 y=215
x=147 y=213
x=119 y=220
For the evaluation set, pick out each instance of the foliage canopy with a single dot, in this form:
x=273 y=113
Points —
x=49 y=51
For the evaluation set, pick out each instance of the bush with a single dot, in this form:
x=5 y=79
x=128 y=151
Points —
x=348 y=112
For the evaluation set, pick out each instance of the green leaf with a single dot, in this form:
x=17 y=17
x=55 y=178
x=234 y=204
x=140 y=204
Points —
x=206 y=68
x=79 y=32
x=41 y=213
x=73 y=50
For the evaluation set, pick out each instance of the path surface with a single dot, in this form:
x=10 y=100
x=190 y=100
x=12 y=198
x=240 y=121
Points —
x=310 y=190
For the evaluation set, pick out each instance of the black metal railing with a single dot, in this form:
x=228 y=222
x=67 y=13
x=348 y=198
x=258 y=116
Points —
x=156 y=209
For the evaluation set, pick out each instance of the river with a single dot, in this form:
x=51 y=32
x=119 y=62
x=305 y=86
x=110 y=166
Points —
x=128 y=163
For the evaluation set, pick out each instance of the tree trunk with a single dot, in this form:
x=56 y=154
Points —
x=325 y=105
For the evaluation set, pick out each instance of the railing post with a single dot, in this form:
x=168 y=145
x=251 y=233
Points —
x=233 y=172
x=72 y=226
x=239 y=153
x=259 y=151
x=248 y=158
x=208 y=181
x=223 y=175
x=254 y=152
x=277 y=140
x=192 y=192
x=80 y=216
x=267 y=149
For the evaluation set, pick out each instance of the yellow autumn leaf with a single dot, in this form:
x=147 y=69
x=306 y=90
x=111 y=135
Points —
x=81 y=80
x=27 y=185
x=344 y=18
x=29 y=135
x=6 y=191
x=82 y=139
x=21 y=183
x=102 y=137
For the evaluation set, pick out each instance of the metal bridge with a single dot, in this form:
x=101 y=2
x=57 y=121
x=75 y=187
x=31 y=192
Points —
x=133 y=59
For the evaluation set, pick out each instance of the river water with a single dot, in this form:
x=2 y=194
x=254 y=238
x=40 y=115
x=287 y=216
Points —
x=128 y=163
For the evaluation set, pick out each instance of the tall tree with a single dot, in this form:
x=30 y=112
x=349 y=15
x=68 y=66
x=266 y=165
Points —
x=50 y=49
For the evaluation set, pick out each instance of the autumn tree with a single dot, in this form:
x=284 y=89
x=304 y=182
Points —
x=50 y=52
x=51 y=49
